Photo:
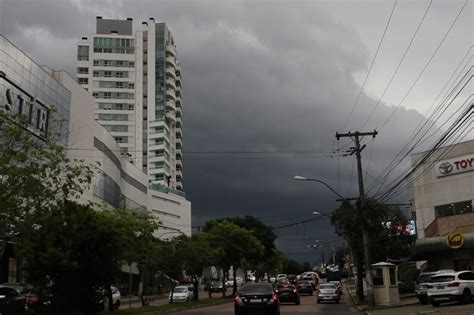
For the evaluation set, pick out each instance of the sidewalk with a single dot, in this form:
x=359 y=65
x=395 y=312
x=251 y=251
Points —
x=409 y=305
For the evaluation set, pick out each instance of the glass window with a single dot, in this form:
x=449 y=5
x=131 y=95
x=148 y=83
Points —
x=95 y=73
x=393 y=280
x=82 y=70
x=108 y=74
x=453 y=208
x=83 y=81
x=378 y=277
x=96 y=62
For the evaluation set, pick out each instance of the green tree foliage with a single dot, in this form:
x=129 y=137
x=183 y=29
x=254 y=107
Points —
x=35 y=177
x=230 y=245
x=388 y=238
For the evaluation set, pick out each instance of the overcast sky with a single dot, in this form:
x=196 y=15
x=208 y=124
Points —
x=267 y=84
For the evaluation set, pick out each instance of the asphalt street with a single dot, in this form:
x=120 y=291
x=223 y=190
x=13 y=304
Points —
x=308 y=306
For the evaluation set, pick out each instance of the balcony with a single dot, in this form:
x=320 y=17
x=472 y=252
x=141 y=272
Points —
x=170 y=61
x=170 y=94
x=170 y=72
x=441 y=226
x=170 y=117
x=171 y=50
x=170 y=84
x=170 y=105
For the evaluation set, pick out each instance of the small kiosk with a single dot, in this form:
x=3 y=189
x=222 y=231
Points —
x=385 y=284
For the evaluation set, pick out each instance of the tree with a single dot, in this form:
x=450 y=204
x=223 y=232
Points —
x=264 y=233
x=230 y=244
x=36 y=177
x=77 y=252
x=388 y=236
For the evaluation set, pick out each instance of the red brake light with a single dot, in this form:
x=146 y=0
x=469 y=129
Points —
x=454 y=284
x=237 y=299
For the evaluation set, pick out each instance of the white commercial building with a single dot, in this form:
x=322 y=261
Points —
x=135 y=79
x=443 y=193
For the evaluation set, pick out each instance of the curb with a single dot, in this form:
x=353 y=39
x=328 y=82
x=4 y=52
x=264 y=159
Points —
x=354 y=301
x=391 y=306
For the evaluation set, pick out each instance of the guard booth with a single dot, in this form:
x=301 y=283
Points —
x=385 y=279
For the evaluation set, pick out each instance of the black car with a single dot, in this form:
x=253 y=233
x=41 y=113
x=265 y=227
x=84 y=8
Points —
x=304 y=287
x=288 y=294
x=11 y=301
x=216 y=286
x=256 y=297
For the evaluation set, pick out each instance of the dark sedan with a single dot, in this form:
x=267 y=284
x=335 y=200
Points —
x=256 y=297
x=288 y=294
x=11 y=302
x=304 y=287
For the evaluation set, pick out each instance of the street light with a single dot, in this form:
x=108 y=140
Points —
x=297 y=177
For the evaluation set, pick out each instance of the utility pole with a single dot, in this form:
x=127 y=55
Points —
x=355 y=136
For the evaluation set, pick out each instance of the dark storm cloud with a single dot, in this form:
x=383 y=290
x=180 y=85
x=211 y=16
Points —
x=256 y=77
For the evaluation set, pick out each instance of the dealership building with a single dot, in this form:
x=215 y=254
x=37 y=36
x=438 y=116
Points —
x=443 y=194
x=34 y=90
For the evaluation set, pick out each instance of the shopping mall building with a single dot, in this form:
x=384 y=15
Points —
x=117 y=183
x=443 y=193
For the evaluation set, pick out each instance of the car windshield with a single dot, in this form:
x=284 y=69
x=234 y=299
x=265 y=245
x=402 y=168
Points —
x=437 y=279
x=327 y=286
x=308 y=278
x=256 y=288
x=180 y=290
x=303 y=282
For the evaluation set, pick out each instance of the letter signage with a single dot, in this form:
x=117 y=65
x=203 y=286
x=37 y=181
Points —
x=455 y=166
x=13 y=101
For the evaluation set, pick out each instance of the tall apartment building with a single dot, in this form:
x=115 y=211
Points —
x=135 y=79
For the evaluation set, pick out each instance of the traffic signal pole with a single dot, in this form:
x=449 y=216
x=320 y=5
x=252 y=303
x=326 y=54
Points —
x=355 y=136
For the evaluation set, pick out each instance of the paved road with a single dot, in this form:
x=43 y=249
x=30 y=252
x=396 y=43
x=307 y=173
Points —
x=308 y=306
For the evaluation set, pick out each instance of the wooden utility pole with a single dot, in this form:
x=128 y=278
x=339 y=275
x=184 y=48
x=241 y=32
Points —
x=355 y=136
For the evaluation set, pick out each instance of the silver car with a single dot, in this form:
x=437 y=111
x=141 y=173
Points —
x=328 y=292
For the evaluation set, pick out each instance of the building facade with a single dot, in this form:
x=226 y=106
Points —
x=135 y=79
x=443 y=194
x=35 y=91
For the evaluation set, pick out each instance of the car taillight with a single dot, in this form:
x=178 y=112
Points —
x=274 y=299
x=294 y=291
x=454 y=284
x=238 y=300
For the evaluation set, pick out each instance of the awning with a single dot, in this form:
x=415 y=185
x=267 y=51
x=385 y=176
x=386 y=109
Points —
x=439 y=244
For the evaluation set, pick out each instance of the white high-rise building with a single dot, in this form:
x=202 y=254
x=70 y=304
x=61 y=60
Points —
x=135 y=79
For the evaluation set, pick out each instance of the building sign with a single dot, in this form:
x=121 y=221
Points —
x=14 y=100
x=455 y=240
x=455 y=166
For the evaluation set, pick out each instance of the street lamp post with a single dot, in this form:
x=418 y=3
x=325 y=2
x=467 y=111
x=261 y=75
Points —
x=321 y=182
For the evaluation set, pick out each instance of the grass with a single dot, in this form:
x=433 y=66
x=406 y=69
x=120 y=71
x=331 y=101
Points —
x=166 y=308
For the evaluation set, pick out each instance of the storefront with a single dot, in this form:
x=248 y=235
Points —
x=443 y=194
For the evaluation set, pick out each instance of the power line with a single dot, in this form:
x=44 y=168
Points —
x=371 y=65
x=425 y=67
x=399 y=64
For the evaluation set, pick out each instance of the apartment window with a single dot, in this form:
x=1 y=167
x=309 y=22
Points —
x=118 y=139
x=83 y=52
x=108 y=74
x=453 y=208
x=107 y=63
x=106 y=117
x=107 y=95
x=105 y=84
x=96 y=62
x=119 y=85
x=82 y=70
x=131 y=85
x=131 y=64
x=106 y=106
x=119 y=63
x=130 y=106
x=95 y=73
x=95 y=94
x=83 y=81
x=119 y=74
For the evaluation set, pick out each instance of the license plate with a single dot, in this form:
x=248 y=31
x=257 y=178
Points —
x=327 y=297
x=440 y=288
x=255 y=301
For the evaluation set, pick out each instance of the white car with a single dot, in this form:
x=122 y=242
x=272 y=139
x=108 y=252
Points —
x=328 y=292
x=281 y=276
x=230 y=283
x=116 y=296
x=182 y=293
x=451 y=286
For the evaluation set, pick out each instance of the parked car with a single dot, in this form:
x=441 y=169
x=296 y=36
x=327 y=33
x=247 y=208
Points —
x=216 y=286
x=291 y=279
x=281 y=276
x=11 y=301
x=288 y=293
x=338 y=285
x=258 y=297
x=182 y=293
x=304 y=287
x=451 y=286
x=328 y=292
x=421 y=284
x=116 y=297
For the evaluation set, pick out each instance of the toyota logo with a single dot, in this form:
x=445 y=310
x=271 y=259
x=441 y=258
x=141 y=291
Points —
x=445 y=168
